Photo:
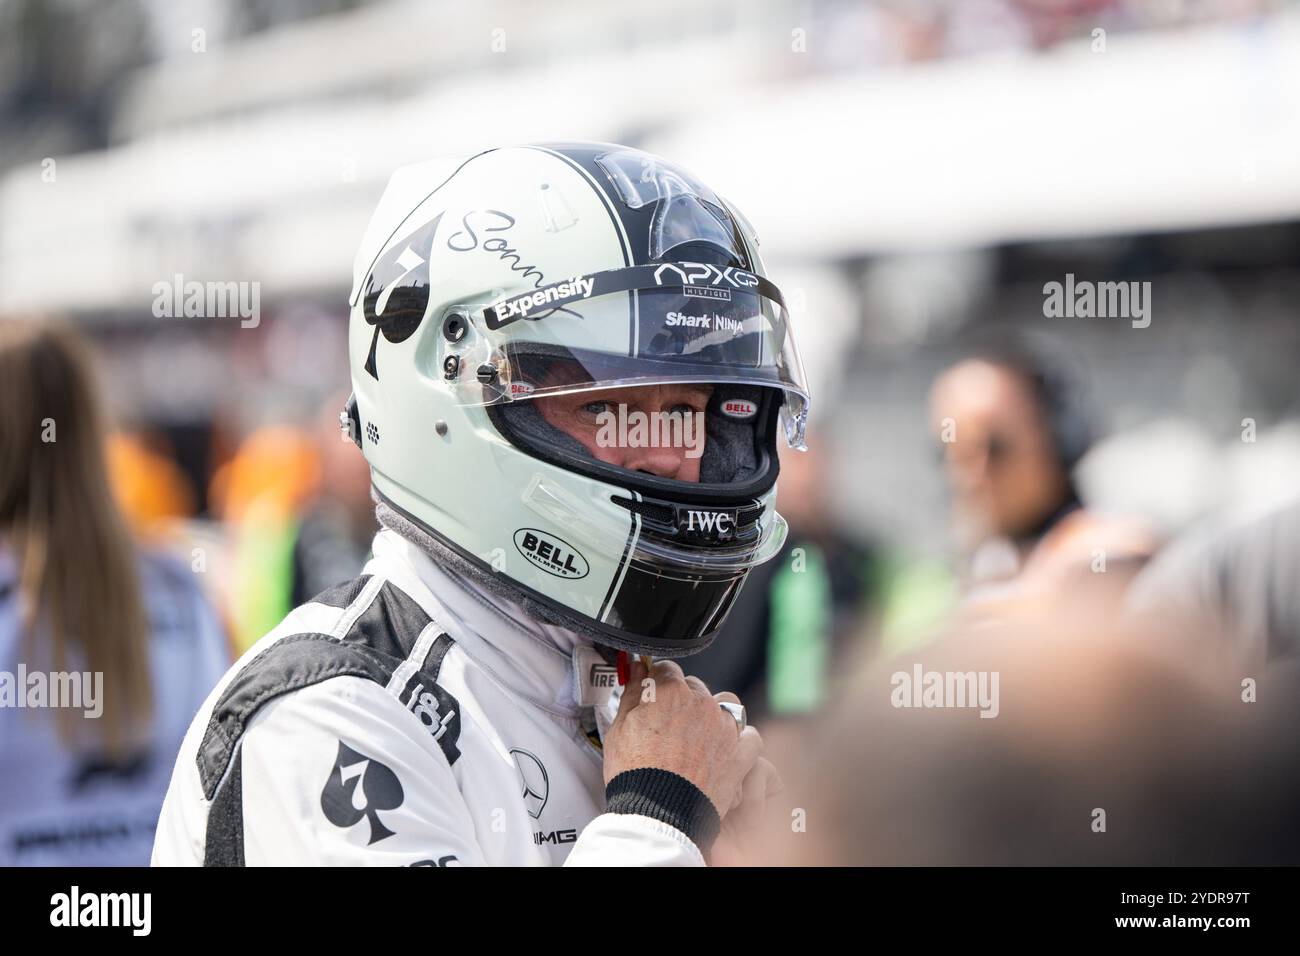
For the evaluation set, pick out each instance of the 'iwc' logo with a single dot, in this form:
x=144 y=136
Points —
x=553 y=555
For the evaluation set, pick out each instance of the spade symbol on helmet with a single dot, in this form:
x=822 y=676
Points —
x=359 y=787
x=396 y=292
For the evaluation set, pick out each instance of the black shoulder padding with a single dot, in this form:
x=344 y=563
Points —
x=391 y=624
x=289 y=664
x=341 y=595
x=223 y=844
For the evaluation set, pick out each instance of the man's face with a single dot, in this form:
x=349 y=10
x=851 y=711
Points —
x=586 y=417
x=1002 y=468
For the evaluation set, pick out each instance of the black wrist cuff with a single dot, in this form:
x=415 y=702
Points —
x=668 y=797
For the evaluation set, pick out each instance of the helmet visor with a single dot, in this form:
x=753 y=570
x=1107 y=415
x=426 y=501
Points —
x=676 y=323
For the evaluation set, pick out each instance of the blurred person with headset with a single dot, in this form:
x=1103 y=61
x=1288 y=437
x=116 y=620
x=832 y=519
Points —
x=458 y=702
x=1012 y=425
x=799 y=615
x=105 y=649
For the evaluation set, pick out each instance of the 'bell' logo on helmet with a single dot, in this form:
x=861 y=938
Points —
x=739 y=408
x=553 y=555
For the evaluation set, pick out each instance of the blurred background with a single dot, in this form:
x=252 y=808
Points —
x=919 y=172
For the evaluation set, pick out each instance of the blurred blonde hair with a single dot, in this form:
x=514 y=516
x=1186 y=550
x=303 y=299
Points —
x=78 y=586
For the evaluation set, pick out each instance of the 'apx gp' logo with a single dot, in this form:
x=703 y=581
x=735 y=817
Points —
x=359 y=787
x=396 y=293
x=704 y=273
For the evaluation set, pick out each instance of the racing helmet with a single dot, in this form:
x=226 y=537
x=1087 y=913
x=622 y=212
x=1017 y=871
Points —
x=486 y=283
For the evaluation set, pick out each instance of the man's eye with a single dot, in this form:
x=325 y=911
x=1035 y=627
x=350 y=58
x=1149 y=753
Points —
x=684 y=409
x=595 y=408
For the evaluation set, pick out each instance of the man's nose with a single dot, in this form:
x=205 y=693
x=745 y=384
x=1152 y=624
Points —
x=663 y=461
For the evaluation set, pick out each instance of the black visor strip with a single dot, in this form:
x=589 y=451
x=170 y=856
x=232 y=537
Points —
x=697 y=279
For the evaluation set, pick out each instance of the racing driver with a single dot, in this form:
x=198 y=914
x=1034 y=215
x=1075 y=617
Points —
x=485 y=692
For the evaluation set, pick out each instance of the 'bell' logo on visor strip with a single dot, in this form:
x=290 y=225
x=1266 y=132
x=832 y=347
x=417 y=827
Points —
x=740 y=409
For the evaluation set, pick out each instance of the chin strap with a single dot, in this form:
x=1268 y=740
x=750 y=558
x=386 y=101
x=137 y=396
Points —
x=624 y=666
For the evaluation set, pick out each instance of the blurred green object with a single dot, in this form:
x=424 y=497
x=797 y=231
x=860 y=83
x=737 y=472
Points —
x=798 y=652
x=916 y=597
x=264 y=588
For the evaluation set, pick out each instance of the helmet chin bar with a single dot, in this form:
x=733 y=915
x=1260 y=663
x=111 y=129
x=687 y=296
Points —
x=689 y=615
x=671 y=538
x=695 y=526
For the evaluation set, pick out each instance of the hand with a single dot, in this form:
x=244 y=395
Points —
x=740 y=840
x=673 y=723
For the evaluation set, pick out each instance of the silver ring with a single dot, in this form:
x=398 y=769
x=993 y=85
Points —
x=737 y=712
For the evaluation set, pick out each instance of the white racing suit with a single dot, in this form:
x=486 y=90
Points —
x=407 y=718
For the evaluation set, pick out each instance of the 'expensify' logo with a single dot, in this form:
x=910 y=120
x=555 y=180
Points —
x=102 y=909
x=521 y=305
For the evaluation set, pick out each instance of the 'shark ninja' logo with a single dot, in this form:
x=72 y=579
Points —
x=357 y=789
x=397 y=290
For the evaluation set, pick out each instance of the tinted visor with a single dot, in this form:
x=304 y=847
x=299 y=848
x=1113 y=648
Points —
x=644 y=325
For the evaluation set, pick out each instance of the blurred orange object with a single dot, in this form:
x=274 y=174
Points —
x=150 y=487
x=276 y=466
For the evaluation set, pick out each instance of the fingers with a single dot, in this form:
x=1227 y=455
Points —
x=697 y=686
x=749 y=746
x=775 y=784
x=724 y=761
x=726 y=697
x=668 y=671
x=632 y=689
x=750 y=809
x=750 y=802
x=755 y=791
x=663 y=673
